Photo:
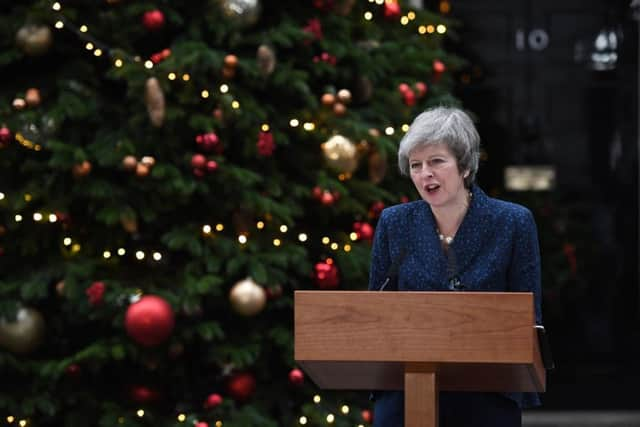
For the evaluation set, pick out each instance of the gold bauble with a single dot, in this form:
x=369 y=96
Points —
x=247 y=297
x=266 y=58
x=154 y=100
x=24 y=334
x=242 y=13
x=377 y=167
x=32 y=97
x=129 y=163
x=34 y=39
x=340 y=154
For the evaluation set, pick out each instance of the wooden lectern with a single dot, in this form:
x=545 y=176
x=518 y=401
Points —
x=419 y=342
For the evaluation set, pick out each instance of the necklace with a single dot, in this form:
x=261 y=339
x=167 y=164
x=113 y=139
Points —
x=449 y=239
x=445 y=239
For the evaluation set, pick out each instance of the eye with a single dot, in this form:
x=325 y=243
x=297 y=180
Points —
x=414 y=165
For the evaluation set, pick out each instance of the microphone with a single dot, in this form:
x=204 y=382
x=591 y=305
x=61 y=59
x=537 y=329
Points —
x=392 y=273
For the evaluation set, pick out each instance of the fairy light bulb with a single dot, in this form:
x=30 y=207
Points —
x=430 y=29
x=284 y=228
x=331 y=418
x=106 y=254
x=140 y=413
x=139 y=255
x=84 y=28
x=422 y=29
x=66 y=241
x=1 y=196
x=294 y=123
x=405 y=128
x=325 y=240
x=309 y=126
x=89 y=46
x=276 y=242
x=224 y=88
x=186 y=77
x=368 y=16
x=235 y=104
x=171 y=76
x=344 y=409
x=302 y=237
x=404 y=20
x=204 y=94
x=441 y=29
x=37 y=216
x=121 y=251
x=56 y=6
x=334 y=246
x=27 y=197
x=157 y=256
x=242 y=239
x=118 y=63
x=59 y=25
x=317 y=398
x=10 y=419
x=260 y=225
x=148 y=64
x=18 y=218
x=182 y=418
x=264 y=128
x=206 y=229
x=97 y=52
x=219 y=227
x=389 y=131
x=353 y=236
x=411 y=15
x=302 y=420
x=347 y=248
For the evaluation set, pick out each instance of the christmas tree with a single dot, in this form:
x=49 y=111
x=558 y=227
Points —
x=171 y=172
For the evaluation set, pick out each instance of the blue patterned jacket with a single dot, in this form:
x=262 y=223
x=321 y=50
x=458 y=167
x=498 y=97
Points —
x=495 y=249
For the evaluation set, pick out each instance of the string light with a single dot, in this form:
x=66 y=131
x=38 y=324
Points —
x=140 y=413
x=302 y=237
x=53 y=218
x=308 y=126
x=405 y=128
x=121 y=251
x=206 y=229
x=242 y=239
x=171 y=76
x=10 y=419
x=18 y=218
x=182 y=417
x=264 y=128
x=441 y=29
x=59 y=25
x=84 y=29
x=204 y=94
x=294 y=123
x=67 y=241
x=140 y=255
x=219 y=227
x=22 y=423
x=344 y=409
x=283 y=228
x=389 y=131
x=148 y=64
x=302 y=420
x=368 y=16
x=1 y=196
x=317 y=399
x=157 y=256
x=106 y=254
x=118 y=63
x=224 y=88
x=186 y=77
x=276 y=242
x=260 y=225
x=331 y=418
x=56 y=6
x=235 y=104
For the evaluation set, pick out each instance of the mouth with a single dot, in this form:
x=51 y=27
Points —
x=432 y=188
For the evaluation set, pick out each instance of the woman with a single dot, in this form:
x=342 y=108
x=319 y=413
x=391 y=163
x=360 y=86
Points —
x=460 y=239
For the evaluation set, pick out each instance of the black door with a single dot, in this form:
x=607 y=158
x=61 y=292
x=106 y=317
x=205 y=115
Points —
x=553 y=85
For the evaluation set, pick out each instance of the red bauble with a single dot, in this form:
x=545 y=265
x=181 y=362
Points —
x=5 y=136
x=265 y=144
x=409 y=98
x=375 y=209
x=296 y=377
x=241 y=386
x=363 y=230
x=326 y=275
x=438 y=69
x=367 y=416
x=73 y=370
x=392 y=9
x=198 y=161
x=201 y=424
x=212 y=166
x=95 y=292
x=149 y=321
x=421 y=89
x=327 y=198
x=143 y=394
x=213 y=400
x=153 y=20
x=403 y=87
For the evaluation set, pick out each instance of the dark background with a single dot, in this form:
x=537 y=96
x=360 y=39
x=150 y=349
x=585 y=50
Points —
x=541 y=98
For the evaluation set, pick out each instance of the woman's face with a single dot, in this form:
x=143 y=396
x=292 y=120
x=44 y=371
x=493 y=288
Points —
x=434 y=172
